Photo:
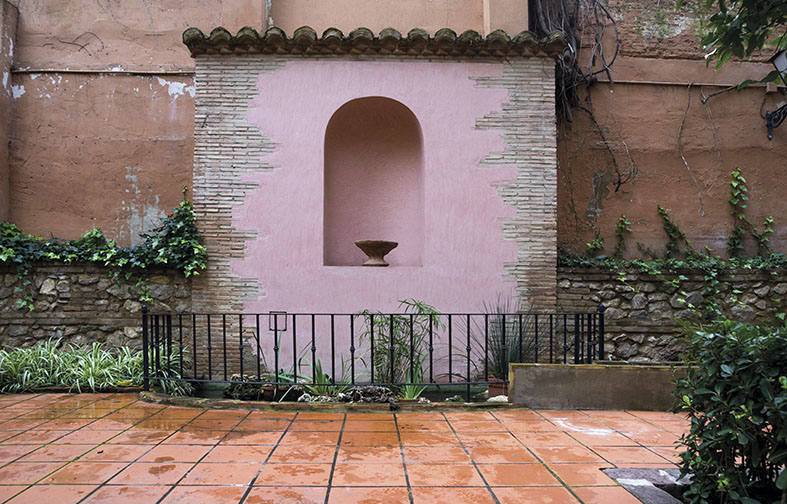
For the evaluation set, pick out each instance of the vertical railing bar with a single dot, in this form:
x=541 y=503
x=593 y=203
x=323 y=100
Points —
x=194 y=342
x=505 y=350
x=145 y=370
x=168 y=346
x=486 y=347
x=577 y=346
x=590 y=324
x=240 y=345
x=535 y=331
x=180 y=343
x=352 y=349
x=210 y=352
x=468 y=378
x=224 y=342
x=391 y=347
x=275 y=347
x=601 y=310
x=157 y=351
x=295 y=351
x=412 y=353
x=314 y=352
x=565 y=338
x=431 y=348
x=551 y=337
x=371 y=349
x=521 y=346
x=257 y=337
x=333 y=350
x=450 y=351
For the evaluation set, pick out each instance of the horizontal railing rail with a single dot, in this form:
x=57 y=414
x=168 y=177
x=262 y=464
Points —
x=283 y=349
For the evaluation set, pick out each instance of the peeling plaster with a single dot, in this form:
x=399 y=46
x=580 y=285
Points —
x=17 y=91
x=34 y=76
x=176 y=89
x=5 y=80
x=138 y=212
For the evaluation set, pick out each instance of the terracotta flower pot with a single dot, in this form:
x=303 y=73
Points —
x=375 y=250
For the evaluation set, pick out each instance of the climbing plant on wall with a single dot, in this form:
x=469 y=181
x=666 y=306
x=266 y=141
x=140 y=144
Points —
x=175 y=243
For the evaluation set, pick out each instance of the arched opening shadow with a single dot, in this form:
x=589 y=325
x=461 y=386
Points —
x=373 y=182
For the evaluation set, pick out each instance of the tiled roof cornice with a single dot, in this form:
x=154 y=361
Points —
x=362 y=41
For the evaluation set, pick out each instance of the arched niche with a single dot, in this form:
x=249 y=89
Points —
x=373 y=182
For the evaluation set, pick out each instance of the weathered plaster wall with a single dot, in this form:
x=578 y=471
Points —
x=641 y=114
x=483 y=16
x=8 y=21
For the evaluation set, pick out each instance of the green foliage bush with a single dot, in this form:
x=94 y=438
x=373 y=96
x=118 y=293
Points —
x=735 y=393
x=88 y=368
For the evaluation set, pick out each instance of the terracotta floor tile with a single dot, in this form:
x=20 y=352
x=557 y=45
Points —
x=566 y=454
x=303 y=454
x=425 y=426
x=605 y=495
x=369 y=475
x=517 y=475
x=12 y=452
x=563 y=414
x=87 y=436
x=224 y=414
x=161 y=424
x=177 y=412
x=317 y=415
x=316 y=425
x=426 y=495
x=420 y=416
x=516 y=414
x=582 y=474
x=55 y=453
x=429 y=439
x=106 y=424
x=8 y=491
x=221 y=474
x=61 y=494
x=25 y=424
x=369 y=426
x=669 y=453
x=607 y=439
x=115 y=453
x=532 y=439
x=377 y=495
x=27 y=472
x=244 y=454
x=675 y=427
x=214 y=424
x=486 y=455
x=536 y=495
x=629 y=427
x=67 y=424
x=140 y=436
x=204 y=495
x=369 y=454
x=111 y=494
x=252 y=438
x=655 y=438
x=371 y=417
x=196 y=436
x=263 y=415
x=431 y=455
x=88 y=413
x=286 y=495
x=260 y=425
x=446 y=475
x=469 y=416
x=516 y=426
x=148 y=473
x=84 y=473
x=656 y=416
x=175 y=453
x=629 y=454
x=370 y=439
x=36 y=436
x=491 y=440
x=485 y=426
x=310 y=438
x=294 y=474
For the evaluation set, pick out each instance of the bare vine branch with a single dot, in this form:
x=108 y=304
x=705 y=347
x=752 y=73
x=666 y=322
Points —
x=680 y=150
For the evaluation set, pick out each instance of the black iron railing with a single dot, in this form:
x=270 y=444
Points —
x=391 y=349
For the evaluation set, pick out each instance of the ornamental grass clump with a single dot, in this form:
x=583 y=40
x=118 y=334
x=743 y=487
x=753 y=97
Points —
x=82 y=368
x=735 y=393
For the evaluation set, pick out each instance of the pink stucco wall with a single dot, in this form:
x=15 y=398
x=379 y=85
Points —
x=462 y=264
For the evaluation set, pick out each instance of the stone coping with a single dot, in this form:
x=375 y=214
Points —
x=362 y=41
x=215 y=403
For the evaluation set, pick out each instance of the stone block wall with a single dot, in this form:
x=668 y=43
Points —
x=642 y=311
x=81 y=304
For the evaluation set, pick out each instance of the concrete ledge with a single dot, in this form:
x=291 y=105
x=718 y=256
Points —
x=594 y=386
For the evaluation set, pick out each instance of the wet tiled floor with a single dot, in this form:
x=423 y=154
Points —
x=92 y=448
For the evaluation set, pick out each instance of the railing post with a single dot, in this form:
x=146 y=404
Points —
x=601 y=310
x=145 y=364
x=577 y=344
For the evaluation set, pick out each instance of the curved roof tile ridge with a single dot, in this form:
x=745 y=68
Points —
x=417 y=42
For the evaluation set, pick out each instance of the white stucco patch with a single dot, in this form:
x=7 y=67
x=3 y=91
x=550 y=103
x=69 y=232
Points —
x=176 y=89
x=17 y=91
x=5 y=80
